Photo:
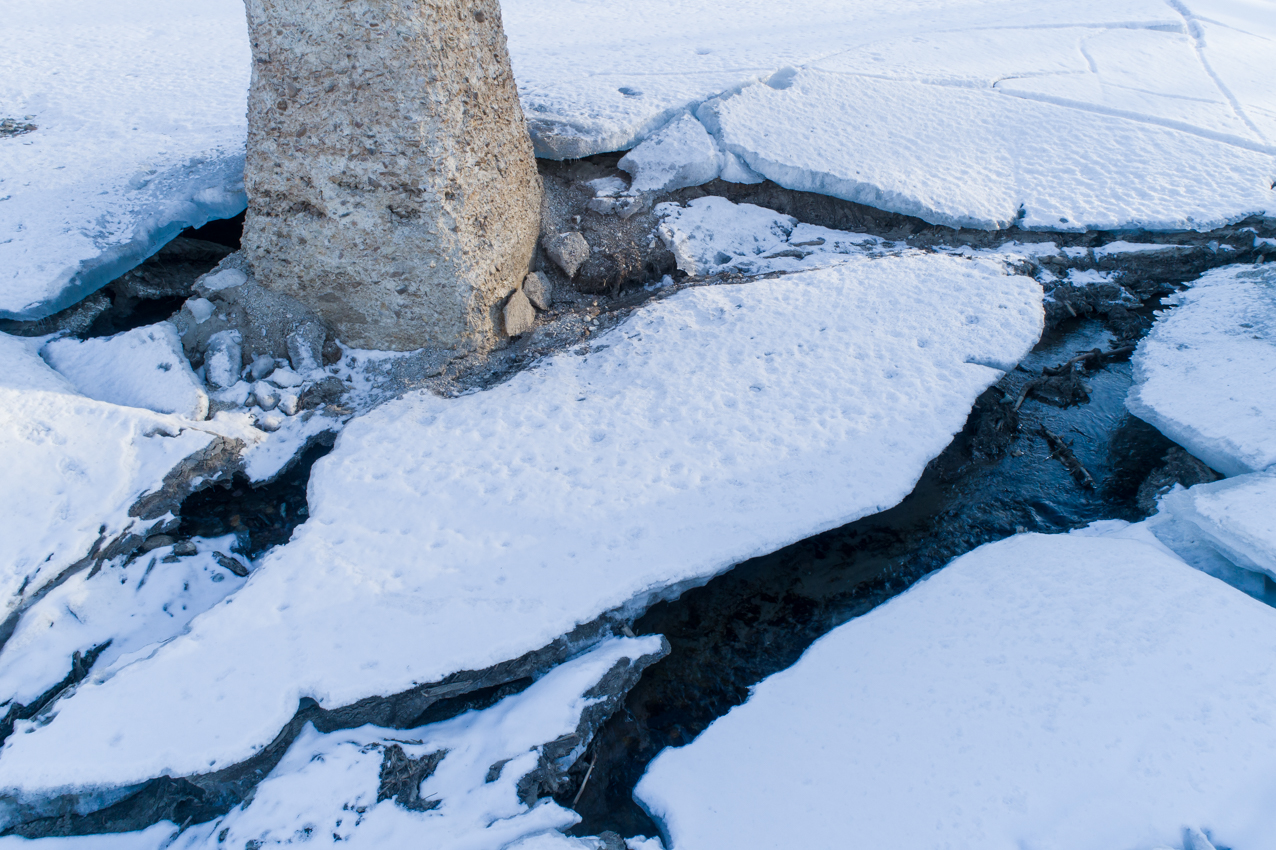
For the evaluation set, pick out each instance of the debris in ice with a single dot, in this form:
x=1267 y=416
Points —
x=712 y=235
x=476 y=770
x=1024 y=695
x=1205 y=376
x=134 y=604
x=144 y=367
x=714 y=425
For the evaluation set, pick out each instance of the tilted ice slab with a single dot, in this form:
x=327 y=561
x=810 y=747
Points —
x=144 y=367
x=1237 y=516
x=141 y=116
x=972 y=157
x=73 y=469
x=1205 y=376
x=453 y=534
x=1044 y=691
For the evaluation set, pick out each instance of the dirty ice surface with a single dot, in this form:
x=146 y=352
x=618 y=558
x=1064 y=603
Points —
x=1051 y=692
x=326 y=788
x=135 y=604
x=714 y=425
x=1206 y=374
x=976 y=113
x=82 y=464
x=139 y=111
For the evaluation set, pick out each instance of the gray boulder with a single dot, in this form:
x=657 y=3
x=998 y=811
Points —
x=568 y=251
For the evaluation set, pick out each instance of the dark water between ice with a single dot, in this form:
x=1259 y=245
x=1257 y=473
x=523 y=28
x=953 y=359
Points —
x=758 y=618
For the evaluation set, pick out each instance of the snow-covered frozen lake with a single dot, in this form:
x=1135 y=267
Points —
x=510 y=601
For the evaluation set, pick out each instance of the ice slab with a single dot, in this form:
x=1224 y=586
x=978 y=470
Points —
x=1044 y=691
x=679 y=154
x=973 y=157
x=1205 y=376
x=1237 y=515
x=144 y=367
x=714 y=425
x=81 y=465
x=327 y=785
x=140 y=112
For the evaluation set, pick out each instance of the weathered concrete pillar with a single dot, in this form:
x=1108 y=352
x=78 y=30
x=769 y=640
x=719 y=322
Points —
x=391 y=181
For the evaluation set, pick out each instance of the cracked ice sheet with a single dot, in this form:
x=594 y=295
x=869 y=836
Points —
x=972 y=157
x=1205 y=376
x=1045 y=691
x=715 y=425
x=141 y=115
x=73 y=469
x=599 y=75
x=1236 y=516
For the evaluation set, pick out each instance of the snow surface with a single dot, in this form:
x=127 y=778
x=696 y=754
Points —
x=714 y=425
x=157 y=837
x=141 y=110
x=82 y=464
x=1059 y=691
x=1237 y=515
x=144 y=367
x=1205 y=376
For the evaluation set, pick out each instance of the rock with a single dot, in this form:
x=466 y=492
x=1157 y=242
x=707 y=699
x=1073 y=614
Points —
x=391 y=181
x=289 y=403
x=200 y=309
x=185 y=549
x=519 y=315
x=538 y=290
x=156 y=541
x=231 y=563
x=220 y=280
x=568 y=251
x=223 y=359
x=624 y=206
x=286 y=378
x=261 y=367
x=270 y=422
x=305 y=347
x=265 y=396
x=327 y=391
x=172 y=271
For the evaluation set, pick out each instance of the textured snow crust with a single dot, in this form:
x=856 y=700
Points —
x=1050 y=692
x=141 y=116
x=1205 y=376
x=73 y=469
x=717 y=424
x=144 y=367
